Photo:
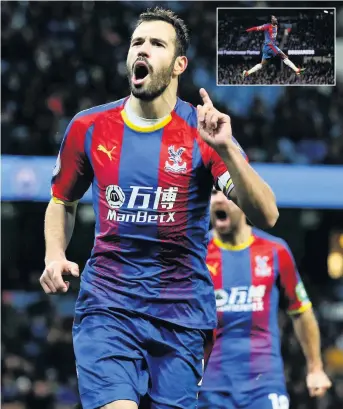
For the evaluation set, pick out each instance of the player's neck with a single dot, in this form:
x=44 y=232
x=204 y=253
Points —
x=158 y=108
x=236 y=237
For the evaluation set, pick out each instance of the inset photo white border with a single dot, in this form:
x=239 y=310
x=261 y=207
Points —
x=306 y=54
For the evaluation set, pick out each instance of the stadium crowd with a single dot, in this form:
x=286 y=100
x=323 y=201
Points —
x=60 y=58
x=312 y=30
x=317 y=72
x=309 y=30
x=56 y=62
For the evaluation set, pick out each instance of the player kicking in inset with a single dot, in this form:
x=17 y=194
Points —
x=248 y=266
x=270 y=49
x=146 y=306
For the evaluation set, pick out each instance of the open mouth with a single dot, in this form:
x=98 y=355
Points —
x=140 y=72
x=220 y=214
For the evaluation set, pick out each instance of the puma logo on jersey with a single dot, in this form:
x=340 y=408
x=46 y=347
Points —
x=213 y=268
x=101 y=148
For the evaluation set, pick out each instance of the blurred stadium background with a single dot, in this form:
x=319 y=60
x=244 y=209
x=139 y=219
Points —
x=61 y=57
x=306 y=36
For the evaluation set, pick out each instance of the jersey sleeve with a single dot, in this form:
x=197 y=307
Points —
x=291 y=283
x=73 y=173
x=221 y=176
x=264 y=27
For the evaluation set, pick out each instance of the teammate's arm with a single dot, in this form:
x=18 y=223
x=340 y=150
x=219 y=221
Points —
x=307 y=332
x=71 y=178
x=245 y=187
x=304 y=322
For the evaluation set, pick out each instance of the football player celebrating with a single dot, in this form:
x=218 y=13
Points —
x=245 y=369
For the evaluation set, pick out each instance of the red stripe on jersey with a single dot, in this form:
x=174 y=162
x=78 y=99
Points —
x=105 y=153
x=215 y=265
x=211 y=159
x=74 y=176
x=262 y=282
x=175 y=138
x=289 y=277
x=174 y=178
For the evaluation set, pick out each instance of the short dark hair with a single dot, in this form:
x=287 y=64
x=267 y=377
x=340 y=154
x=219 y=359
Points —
x=160 y=14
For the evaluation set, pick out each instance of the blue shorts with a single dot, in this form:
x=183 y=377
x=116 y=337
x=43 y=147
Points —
x=123 y=355
x=270 y=51
x=270 y=398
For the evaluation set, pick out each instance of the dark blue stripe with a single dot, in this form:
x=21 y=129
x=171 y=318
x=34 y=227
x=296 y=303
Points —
x=139 y=166
x=237 y=273
x=236 y=268
x=187 y=112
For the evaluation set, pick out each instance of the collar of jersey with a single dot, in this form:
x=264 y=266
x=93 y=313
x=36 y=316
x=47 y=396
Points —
x=231 y=247
x=150 y=128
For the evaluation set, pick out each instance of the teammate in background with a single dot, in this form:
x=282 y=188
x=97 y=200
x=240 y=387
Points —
x=146 y=306
x=270 y=49
x=245 y=369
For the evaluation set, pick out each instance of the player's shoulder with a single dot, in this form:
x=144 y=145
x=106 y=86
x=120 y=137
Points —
x=187 y=113
x=88 y=116
x=277 y=242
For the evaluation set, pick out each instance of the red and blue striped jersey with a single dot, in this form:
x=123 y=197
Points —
x=151 y=188
x=246 y=354
x=270 y=33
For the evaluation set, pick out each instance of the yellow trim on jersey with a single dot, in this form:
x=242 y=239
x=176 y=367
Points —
x=228 y=184
x=231 y=247
x=63 y=202
x=150 y=128
x=300 y=310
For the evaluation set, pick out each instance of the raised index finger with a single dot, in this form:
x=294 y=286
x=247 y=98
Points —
x=205 y=97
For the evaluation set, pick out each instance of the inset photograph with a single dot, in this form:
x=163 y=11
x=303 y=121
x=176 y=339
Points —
x=276 y=46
